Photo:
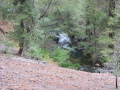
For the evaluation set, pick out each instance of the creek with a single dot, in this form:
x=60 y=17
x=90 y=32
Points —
x=77 y=56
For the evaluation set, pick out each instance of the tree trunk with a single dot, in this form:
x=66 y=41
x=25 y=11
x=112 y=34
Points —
x=88 y=31
x=26 y=28
x=21 y=49
x=21 y=42
x=117 y=58
x=50 y=1
x=95 y=45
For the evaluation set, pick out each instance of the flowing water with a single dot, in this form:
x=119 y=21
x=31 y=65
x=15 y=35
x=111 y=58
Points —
x=63 y=40
x=77 y=54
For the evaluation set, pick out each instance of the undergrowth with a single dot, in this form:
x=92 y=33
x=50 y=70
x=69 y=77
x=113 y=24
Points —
x=61 y=56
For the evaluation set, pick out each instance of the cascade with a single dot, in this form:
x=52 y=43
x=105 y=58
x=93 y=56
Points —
x=63 y=40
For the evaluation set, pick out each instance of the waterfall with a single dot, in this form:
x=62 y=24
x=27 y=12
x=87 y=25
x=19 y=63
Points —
x=63 y=40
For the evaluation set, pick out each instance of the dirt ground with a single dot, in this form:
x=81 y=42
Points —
x=18 y=73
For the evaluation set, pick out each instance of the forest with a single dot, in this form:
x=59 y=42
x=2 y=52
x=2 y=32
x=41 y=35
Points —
x=76 y=34
x=72 y=33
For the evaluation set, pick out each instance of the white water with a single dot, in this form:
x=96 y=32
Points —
x=64 y=41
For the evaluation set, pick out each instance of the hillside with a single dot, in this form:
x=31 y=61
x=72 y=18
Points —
x=79 y=34
x=5 y=27
x=18 y=73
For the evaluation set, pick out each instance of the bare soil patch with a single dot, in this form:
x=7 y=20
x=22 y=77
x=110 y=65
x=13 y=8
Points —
x=18 y=73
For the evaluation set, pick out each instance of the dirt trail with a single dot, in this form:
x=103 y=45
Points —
x=18 y=73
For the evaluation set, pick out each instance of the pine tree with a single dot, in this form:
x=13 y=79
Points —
x=96 y=20
x=20 y=13
x=111 y=37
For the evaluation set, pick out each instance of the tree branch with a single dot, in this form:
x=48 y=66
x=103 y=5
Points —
x=61 y=17
x=3 y=31
x=46 y=10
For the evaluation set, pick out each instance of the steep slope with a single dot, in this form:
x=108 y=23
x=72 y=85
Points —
x=18 y=73
x=5 y=27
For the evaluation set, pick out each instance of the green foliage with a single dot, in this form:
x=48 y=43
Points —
x=66 y=15
x=65 y=64
x=75 y=66
x=68 y=64
x=106 y=39
x=20 y=13
x=59 y=55
x=96 y=22
x=104 y=59
x=34 y=52
x=37 y=52
x=7 y=44
x=70 y=16
x=62 y=56
x=95 y=15
x=119 y=73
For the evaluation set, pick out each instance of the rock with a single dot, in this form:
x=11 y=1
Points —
x=104 y=70
x=108 y=66
x=32 y=80
x=42 y=62
x=87 y=68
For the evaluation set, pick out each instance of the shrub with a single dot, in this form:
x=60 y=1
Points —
x=7 y=45
x=37 y=52
x=68 y=64
x=62 y=57
x=104 y=59
x=59 y=55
